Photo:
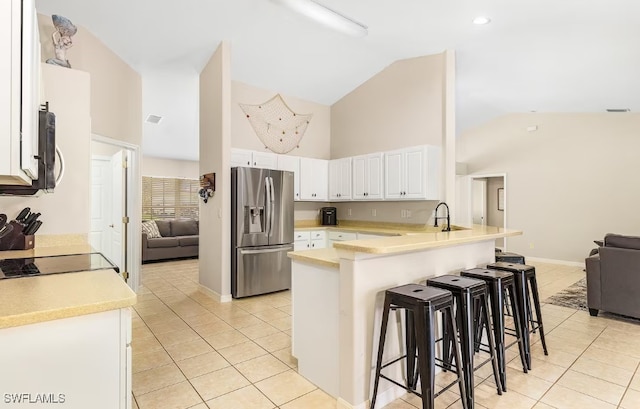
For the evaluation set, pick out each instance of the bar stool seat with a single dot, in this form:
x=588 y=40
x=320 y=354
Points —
x=500 y=283
x=527 y=287
x=507 y=257
x=421 y=304
x=466 y=292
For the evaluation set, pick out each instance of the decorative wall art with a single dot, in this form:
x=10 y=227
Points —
x=278 y=127
x=62 y=40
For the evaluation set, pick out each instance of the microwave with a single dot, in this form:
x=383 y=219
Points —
x=46 y=158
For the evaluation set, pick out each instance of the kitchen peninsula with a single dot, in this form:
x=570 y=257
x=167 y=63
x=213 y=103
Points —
x=337 y=297
x=65 y=337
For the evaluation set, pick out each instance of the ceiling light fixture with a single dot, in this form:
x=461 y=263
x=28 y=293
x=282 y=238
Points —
x=481 y=20
x=324 y=15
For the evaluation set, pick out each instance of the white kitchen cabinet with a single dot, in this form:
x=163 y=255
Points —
x=253 y=159
x=412 y=173
x=292 y=164
x=334 y=236
x=340 y=179
x=80 y=362
x=314 y=179
x=19 y=91
x=307 y=240
x=368 y=176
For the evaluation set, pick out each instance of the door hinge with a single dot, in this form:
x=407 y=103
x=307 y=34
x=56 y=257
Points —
x=125 y=275
x=125 y=164
x=125 y=220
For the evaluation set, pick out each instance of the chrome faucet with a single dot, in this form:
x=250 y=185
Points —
x=448 y=226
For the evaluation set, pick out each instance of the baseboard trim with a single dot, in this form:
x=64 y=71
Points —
x=383 y=399
x=561 y=262
x=208 y=291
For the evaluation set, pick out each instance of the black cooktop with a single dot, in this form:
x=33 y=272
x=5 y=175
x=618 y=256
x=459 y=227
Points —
x=35 y=266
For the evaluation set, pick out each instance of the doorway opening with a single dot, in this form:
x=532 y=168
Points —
x=115 y=205
x=488 y=202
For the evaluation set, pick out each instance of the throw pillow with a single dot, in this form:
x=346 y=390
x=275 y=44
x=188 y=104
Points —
x=151 y=229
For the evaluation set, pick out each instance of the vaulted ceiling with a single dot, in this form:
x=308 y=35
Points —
x=542 y=55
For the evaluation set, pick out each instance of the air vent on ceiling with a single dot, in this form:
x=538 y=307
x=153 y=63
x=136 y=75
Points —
x=153 y=119
x=618 y=110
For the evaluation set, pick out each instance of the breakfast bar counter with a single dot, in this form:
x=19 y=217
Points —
x=337 y=299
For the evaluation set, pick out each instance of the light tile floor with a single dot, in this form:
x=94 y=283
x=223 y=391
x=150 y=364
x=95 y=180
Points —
x=190 y=351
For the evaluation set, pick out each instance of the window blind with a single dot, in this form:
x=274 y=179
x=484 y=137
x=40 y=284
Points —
x=169 y=198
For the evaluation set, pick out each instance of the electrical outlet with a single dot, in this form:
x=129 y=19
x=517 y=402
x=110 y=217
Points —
x=403 y=214
x=408 y=214
x=349 y=212
x=531 y=245
x=373 y=212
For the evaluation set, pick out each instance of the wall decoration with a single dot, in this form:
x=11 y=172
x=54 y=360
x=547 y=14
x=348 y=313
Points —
x=62 y=40
x=500 y=198
x=278 y=127
x=207 y=186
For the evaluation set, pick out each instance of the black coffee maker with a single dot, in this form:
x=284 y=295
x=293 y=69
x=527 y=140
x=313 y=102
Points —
x=328 y=216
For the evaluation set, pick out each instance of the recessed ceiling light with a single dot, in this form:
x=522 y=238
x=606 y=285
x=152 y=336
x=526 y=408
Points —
x=153 y=119
x=481 y=20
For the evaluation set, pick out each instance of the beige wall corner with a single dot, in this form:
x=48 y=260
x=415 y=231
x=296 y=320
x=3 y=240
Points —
x=116 y=88
x=215 y=146
x=67 y=210
x=449 y=130
x=316 y=140
x=399 y=107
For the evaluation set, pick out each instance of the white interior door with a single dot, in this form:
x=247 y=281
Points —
x=100 y=236
x=117 y=209
x=479 y=201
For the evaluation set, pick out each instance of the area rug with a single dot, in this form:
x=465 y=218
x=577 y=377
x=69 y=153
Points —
x=574 y=296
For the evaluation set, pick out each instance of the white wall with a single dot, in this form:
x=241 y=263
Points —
x=401 y=106
x=316 y=140
x=67 y=210
x=215 y=145
x=173 y=168
x=172 y=94
x=568 y=183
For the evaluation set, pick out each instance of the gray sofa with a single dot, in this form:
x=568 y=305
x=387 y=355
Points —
x=613 y=276
x=179 y=239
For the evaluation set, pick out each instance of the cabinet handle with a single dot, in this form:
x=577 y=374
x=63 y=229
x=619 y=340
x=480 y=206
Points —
x=313 y=244
x=248 y=163
x=307 y=246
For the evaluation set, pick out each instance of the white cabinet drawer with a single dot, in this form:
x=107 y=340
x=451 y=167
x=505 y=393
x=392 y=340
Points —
x=341 y=236
x=302 y=236
x=318 y=235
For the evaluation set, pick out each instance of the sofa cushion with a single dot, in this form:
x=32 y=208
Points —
x=151 y=229
x=620 y=241
x=188 y=240
x=164 y=226
x=163 y=242
x=186 y=227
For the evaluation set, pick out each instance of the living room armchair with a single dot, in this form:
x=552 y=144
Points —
x=613 y=276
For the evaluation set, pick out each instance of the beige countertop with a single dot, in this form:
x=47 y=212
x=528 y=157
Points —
x=382 y=228
x=408 y=242
x=29 y=300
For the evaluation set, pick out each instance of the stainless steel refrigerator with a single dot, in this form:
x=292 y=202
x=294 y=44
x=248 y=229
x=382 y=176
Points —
x=261 y=230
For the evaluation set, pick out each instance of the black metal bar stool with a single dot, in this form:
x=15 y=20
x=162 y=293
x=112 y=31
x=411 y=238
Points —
x=421 y=304
x=498 y=284
x=466 y=291
x=527 y=287
x=507 y=257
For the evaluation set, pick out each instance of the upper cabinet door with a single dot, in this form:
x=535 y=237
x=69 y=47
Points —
x=265 y=160
x=375 y=176
x=413 y=173
x=359 y=177
x=241 y=157
x=340 y=179
x=393 y=178
x=30 y=89
x=292 y=164
x=314 y=180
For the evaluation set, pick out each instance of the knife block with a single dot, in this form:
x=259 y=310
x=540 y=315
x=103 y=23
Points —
x=16 y=240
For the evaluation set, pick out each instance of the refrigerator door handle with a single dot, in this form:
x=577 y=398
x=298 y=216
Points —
x=269 y=250
x=268 y=204
x=272 y=207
